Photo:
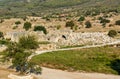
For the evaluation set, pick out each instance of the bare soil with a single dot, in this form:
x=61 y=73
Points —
x=59 y=74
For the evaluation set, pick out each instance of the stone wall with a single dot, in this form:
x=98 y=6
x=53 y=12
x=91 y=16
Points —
x=72 y=38
x=66 y=37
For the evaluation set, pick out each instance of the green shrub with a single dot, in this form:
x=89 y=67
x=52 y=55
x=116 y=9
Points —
x=27 y=25
x=100 y=18
x=40 y=28
x=105 y=21
x=3 y=41
x=20 y=60
x=17 y=22
x=28 y=42
x=117 y=22
x=112 y=33
x=88 y=24
x=70 y=24
x=81 y=18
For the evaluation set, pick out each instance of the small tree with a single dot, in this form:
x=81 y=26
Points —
x=27 y=25
x=112 y=33
x=70 y=24
x=117 y=22
x=88 y=24
x=81 y=18
x=40 y=28
x=19 y=53
x=20 y=61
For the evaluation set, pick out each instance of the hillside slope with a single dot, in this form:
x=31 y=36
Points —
x=38 y=7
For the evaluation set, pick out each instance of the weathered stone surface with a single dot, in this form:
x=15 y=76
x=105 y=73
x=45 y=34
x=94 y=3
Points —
x=72 y=38
x=66 y=37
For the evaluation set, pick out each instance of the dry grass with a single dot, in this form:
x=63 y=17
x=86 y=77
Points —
x=8 y=24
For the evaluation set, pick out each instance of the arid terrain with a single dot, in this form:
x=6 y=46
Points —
x=60 y=39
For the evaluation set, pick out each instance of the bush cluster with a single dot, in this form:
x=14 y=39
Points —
x=117 y=22
x=17 y=22
x=70 y=24
x=82 y=18
x=88 y=24
x=27 y=25
x=112 y=33
x=40 y=28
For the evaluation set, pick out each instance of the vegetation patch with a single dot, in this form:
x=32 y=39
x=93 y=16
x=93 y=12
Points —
x=88 y=24
x=44 y=42
x=70 y=24
x=112 y=33
x=72 y=46
x=82 y=18
x=18 y=54
x=117 y=22
x=40 y=28
x=90 y=60
x=27 y=25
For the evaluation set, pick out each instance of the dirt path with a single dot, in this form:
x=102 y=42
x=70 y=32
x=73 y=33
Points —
x=89 y=46
x=59 y=74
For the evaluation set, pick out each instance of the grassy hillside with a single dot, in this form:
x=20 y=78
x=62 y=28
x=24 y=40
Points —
x=103 y=60
x=62 y=3
x=39 y=7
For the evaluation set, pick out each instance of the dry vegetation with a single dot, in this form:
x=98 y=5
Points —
x=59 y=23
